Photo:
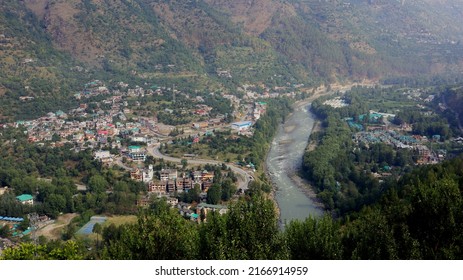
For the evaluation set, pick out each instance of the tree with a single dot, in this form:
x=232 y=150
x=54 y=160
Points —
x=55 y=137
x=97 y=229
x=228 y=189
x=97 y=184
x=194 y=194
x=68 y=250
x=5 y=231
x=164 y=236
x=214 y=194
x=184 y=163
x=316 y=239
x=24 y=225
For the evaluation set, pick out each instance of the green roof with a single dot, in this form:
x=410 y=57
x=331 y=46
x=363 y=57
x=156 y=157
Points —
x=24 y=197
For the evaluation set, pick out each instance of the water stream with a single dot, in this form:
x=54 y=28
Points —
x=283 y=162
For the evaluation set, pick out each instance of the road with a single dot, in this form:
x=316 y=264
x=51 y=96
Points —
x=243 y=176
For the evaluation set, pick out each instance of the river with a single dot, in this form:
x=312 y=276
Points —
x=283 y=162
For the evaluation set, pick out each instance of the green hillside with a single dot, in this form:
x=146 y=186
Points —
x=50 y=48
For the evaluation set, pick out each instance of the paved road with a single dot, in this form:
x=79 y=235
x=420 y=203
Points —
x=243 y=177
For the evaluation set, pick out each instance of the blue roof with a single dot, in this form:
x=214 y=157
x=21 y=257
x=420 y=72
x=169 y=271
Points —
x=243 y=123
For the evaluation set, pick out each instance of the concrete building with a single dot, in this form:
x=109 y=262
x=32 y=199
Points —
x=103 y=156
x=168 y=174
x=241 y=126
x=136 y=153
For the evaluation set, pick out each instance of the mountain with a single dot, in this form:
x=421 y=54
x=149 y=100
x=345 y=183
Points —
x=50 y=48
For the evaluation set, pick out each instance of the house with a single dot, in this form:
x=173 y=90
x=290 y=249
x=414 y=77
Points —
x=103 y=156
x=136 y=153
x=207 y=176
x=241 y=126
x=25 y=199
x=158 y=188
x=206 y=185
x=197 y=176
x=140 y=139
x=171 y=186
x=136 y=175
x=3 y=190
x=187 y=184
x=211 y=207
x=148 y=174
x=200 y=125
x=172 y=201
x=184 y=184
x=168 y=174
x=143 y=201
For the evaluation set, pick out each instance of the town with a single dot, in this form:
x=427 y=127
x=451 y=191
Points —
x=122 y=127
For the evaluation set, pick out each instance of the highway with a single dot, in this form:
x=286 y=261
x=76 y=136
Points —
x=243 y=176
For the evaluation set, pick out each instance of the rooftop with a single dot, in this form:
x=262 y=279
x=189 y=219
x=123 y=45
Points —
x=24 y=197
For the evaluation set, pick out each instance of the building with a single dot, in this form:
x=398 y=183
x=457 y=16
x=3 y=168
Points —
x=103 y=156
x=136 y=175
x=136 y=153
x=26 y=199
x=143 y=201
x=172 y=201
x=158 y=188
x=241 y=126
x=199 y=125
x=139 y=139
x=205 y=208
x=168 y=174
x=207 y=176
x=171 y=186
x=148 y=174
x=3 y=190
x=206 y=185
x=184 y=184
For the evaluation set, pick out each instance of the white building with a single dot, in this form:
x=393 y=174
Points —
x=241 y=126
x=148 y=174
x=104 y=156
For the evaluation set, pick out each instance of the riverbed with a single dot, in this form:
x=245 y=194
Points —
x=293 y=195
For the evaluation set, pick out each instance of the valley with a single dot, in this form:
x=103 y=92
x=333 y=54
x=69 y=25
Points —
x=231 y=130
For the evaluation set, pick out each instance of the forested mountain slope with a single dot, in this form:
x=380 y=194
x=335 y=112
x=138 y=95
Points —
x=51 y=47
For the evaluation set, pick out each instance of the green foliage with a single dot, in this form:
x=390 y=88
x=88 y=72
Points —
x=69 y=250
x=214 y=194
x=248 y=231
x=342 y=171
x=97 y=184
x=420 y=217
x=165 y=236
x=315 y=239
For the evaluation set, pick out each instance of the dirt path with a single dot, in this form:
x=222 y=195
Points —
x=53 y=230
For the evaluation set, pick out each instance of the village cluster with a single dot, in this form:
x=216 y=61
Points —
x=112 y=119
x=376 y=127
x=108 y=123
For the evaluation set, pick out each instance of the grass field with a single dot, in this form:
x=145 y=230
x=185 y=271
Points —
x=119 y=220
